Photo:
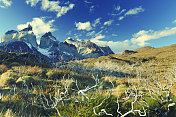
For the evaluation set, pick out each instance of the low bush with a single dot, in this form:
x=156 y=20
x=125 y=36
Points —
x=11 y=74
x=8 y=78
x=27 y=79
x=3 y=68
x=7 y=81
x=52 y=75
x=14 y=64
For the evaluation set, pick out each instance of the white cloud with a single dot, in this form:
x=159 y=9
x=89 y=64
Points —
x=138 y=40
x=52 y=6
x=108 y=22
x=92 y=9
x=5 y=3
x=174 y=22
x=122 y=11
x=84 y=26
x=114 y=35
x=40 y=26
x=65 y=9
x=97 y=40
x=87 y=2
x=119 y=46
x=121 y=18
x=133 y=11
x=117 y=8
x=143 y=36
x=90 y=33
x=96 y=22
x=32 y=2
x=116 y=46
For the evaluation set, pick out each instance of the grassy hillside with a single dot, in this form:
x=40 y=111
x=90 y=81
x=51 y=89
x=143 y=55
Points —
x=135 y=83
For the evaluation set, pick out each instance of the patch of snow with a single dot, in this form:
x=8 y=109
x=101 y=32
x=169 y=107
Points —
x=67 y=53
x=29 y=45
x=71 y=41
x=102 y=50
x=52 y=38
x=30 y=32
x=44 y=52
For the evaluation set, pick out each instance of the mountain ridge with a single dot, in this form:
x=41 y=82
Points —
x=49 y=47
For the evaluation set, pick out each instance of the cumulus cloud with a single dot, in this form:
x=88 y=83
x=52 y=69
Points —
x=97 y=40
x=116 y=46
x=5 y=3
x=138 y=39
x=133 y=11
x=32 y=2
x=40 y=26
x=108 y=23
x=65 y=9
x=119 y=46
x=84 y=26
x=52 y=6
x=143 y=36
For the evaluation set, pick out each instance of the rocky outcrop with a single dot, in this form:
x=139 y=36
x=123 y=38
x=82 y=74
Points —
x=25 y=35
x=127 y=52
x=107 y=50
x=47 y=40
x=88 y=49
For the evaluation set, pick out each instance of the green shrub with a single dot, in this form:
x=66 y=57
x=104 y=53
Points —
x=33 y=71
x=15 y=64
x=27 y=79
x=8 y=78
x=10 y=74
x=7 y=81
x=3 y=68
x=52 y=75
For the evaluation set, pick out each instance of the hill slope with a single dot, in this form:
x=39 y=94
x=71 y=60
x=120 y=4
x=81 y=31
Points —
x=165 y=54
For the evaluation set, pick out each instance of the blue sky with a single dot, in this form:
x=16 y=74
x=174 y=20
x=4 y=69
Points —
x=120 y=24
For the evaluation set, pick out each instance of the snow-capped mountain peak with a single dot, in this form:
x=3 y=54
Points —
x=50 y=47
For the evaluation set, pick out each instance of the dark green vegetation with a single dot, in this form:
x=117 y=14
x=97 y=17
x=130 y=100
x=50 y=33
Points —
x=139 y=82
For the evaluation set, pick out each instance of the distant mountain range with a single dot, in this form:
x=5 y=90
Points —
x=165 y=55
x=49 y=47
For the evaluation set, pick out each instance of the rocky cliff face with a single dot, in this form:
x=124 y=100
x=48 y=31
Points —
x=47 y=40
x=88 y=49
x=25 y=35
x=50 y=47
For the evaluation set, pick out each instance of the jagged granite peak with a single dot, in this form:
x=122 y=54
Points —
x=106 y=50
x=74 y=42
x=29 y=28
x=25 y=35
x=11 y=32
x=49 y=47
x=48 y=34
x=47 y=40
x=87 y=48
